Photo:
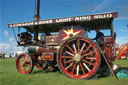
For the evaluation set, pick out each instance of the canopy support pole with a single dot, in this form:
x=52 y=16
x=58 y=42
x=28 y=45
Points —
x=14 y=34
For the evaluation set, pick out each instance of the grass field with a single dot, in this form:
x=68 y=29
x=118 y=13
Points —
x=10 y=76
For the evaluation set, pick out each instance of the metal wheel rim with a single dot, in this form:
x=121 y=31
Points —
x=24 y=64
x=83 y=70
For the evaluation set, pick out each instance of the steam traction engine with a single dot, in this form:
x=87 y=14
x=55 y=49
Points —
x=64 y=42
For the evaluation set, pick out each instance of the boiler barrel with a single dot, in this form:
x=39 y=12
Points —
x=33 y=49
x=39 y=50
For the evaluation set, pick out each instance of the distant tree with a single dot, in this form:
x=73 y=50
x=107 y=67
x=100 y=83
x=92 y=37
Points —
x=10 y=56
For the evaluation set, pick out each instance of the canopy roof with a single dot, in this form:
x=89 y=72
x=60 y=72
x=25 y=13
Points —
x=88 y=22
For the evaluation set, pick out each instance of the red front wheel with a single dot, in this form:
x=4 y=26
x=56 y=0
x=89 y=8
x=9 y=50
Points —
x=79 y=58
x=24 y=63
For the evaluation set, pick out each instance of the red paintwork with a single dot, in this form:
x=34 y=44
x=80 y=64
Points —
x=109 y=41
x=40 y=50
x=40 y=68
x=56 y=39
x=122 y=50
x=36 y=61
x=62 y=34
x=74 y=30
x=18 y=61
x=52 y=40
x=71 y=74
x=47 y=56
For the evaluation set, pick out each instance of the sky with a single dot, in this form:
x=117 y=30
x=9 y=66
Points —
x=13 y=11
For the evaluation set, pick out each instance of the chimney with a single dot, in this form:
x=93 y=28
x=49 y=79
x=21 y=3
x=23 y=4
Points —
x=37 y=10
x=36 y=18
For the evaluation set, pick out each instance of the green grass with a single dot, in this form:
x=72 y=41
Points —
x=10 y=76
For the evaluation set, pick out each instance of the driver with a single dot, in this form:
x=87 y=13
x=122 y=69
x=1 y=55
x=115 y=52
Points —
x=99 y=37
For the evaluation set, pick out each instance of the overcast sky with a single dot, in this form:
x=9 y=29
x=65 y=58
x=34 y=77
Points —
x=13 y=11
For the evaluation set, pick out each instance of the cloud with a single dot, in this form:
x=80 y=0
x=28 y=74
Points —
x=6 y=33
x=9 y=47
x=8 y=36
x=4 y=47
x=101 y=6
x=11 y=39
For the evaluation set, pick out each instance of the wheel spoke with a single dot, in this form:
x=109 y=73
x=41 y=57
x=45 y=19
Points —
x=82 y=68
x=68 y=61
x=77 y=70
x=67 y=57
x=24 y=64
x=73 y=67
x=87 y=49
x=21 y=63
x=74 y=48
x=25 y=58
x=86 y=67
x=78 y=58
x=78 y=45
x=24 y=69
x=87 y=62
x=91 y=53
x=69 y=53
x=70 y=49
x=27 y=63
x=91 y=58
x=82 y=48
x=88 y=53
x=69 y=65
x=22 y=60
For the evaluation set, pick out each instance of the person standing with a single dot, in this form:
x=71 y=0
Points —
x=99 y=37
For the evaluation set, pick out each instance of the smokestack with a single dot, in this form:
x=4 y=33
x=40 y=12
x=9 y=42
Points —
x=37 y=10
x=36 y=18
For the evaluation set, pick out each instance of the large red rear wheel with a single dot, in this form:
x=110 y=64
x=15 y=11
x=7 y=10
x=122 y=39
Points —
x=78 y=58
x=24 y=63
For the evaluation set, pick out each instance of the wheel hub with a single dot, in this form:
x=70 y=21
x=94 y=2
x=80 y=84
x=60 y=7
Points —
x=77 y=57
